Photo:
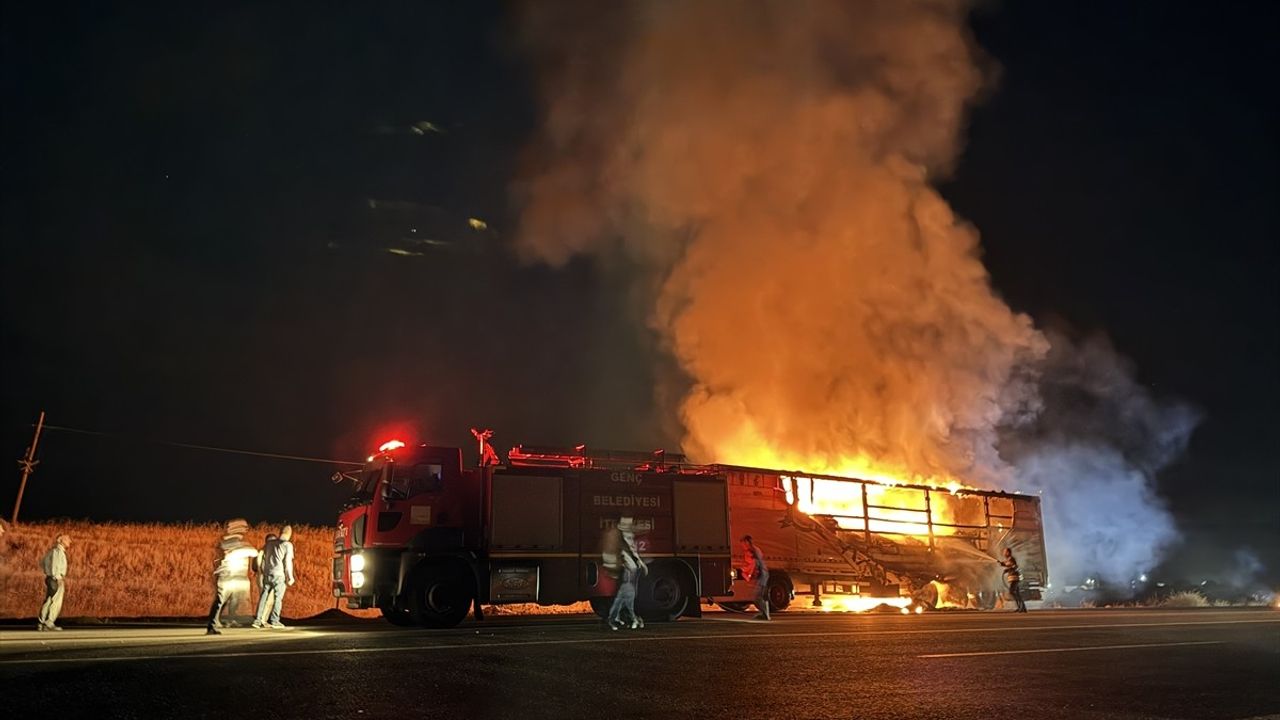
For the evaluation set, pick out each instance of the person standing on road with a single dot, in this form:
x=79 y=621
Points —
x=54 y=564
x=277 y=574
x=755 y=570
x=258 y=576
x=230 y=572
x=632 y=567
x=1013 y=576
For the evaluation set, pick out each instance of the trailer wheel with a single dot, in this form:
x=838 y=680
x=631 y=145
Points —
x=439 y=597
x=779 y=594
x=664 y=594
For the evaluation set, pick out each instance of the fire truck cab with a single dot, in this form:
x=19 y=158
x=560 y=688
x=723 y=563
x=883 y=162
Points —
x=424 y=539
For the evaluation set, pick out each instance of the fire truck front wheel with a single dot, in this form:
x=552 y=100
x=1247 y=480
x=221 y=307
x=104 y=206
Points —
x=396 y=615
x=439 y=596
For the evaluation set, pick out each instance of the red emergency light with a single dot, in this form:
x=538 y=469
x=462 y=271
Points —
x=390 y=445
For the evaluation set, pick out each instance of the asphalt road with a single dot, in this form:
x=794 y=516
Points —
x=1050 y=664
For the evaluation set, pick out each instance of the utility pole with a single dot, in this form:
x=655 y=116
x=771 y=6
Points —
x=28 y=465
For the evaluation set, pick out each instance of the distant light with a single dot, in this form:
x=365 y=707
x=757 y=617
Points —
x=1142 y=577
x=919 y=609
x=477 y=224
x=390 y=445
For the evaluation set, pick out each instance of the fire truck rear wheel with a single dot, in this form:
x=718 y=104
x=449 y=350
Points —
x=439 y=597
x=664 y=594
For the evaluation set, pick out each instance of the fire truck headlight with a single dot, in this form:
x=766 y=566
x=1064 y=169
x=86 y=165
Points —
x=357 y=563
x=357 y=580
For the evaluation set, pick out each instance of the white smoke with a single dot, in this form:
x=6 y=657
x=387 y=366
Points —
x=1092 y=451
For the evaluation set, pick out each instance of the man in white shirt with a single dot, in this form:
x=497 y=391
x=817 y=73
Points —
x=54 y=564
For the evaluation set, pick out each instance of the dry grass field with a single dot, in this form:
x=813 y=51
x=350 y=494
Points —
x=132 y=570
x=148 y=570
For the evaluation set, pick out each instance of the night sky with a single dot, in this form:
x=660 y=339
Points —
x=252 y=228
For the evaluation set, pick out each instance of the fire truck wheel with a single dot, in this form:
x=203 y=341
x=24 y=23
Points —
x=779 y=594
x=601 y=606
x=664 y=594
x=439 y=597
x=397 y=616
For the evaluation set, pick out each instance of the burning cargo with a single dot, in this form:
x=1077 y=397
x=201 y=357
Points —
x=869 y=542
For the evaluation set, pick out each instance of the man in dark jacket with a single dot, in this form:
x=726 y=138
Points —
x=277 y=575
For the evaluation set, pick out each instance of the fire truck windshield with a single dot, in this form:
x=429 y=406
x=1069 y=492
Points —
x=404 y=480
x=409 y=480
x=369 y=480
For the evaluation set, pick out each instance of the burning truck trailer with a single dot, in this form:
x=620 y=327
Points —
x=854 y=544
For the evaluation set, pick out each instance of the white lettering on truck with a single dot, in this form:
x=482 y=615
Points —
x=626 y=501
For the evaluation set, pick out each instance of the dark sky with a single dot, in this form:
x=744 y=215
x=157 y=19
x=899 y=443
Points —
x=199 y=209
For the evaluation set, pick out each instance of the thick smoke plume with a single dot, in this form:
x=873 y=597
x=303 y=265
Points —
x=769 y=165
x=1092 y=451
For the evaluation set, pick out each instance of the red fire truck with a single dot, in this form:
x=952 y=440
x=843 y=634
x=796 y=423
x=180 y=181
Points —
x=424 y=539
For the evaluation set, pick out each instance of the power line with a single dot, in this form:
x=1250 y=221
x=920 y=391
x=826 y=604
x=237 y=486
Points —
x=210 y=448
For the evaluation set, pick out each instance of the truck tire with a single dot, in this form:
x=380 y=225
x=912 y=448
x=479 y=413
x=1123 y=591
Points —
x=663 y=594
x=396 y=615
x=779 y=594
x=439 y=596
x=601 y=605
x=736 y=607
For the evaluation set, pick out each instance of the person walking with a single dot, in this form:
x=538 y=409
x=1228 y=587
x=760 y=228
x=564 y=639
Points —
x=258 y=576
x=633 y=566
x=230 y=572
x=1013 y=576
x=54 y=564
x=756 y=571
x=277 y=574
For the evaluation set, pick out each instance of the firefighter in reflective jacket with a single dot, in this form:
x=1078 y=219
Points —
x=1013 y=576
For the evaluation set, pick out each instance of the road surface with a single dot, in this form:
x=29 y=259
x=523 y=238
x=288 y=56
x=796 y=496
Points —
x=1051 y=664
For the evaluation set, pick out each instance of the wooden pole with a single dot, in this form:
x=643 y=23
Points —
x=28 y=465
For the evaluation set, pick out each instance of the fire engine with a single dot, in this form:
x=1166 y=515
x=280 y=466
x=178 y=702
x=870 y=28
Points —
x=424 y=539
